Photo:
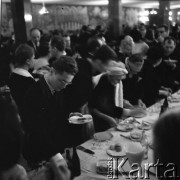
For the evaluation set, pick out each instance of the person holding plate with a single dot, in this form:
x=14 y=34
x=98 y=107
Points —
x=43 y=112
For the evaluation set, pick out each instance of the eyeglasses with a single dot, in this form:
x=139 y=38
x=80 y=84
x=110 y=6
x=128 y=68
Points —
x=65 y=82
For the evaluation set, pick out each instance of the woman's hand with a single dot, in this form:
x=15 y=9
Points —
x=112 y=122
x=141 y=104
x=127 y=104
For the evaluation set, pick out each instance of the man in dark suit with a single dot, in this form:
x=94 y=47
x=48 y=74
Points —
x=131 y=85
x=35 y=36
x=43 y=112
x=79 y=93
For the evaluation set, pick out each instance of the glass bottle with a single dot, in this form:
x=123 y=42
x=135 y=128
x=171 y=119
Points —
x=68 y=159
x=76 y=168
x=165 y=106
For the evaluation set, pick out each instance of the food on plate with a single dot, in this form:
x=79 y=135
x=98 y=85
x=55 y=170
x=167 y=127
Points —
x=145 y=126
x=125 y=127
x=118 y=147
x=116 y=150
x=102 y=136
x=81 y=118
x=102 y=166
x=130 y=120
x=112 y=147
x=75 y=114
x=136 y=135
x=77 y=118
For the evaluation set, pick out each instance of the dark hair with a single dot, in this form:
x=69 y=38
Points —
x=136 y=58
x=65 y=64
x=22 y=54
x=166 y=133
x=11 y=133
x=58 y=42
x=43 y=49
x=45 y=38
x=136 y=35
x=164 y=26
x=169 y=39
x=105 y=53
x=93 y=44
x=154 y=53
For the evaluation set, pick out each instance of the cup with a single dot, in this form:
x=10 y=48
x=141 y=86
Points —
x=134 y=153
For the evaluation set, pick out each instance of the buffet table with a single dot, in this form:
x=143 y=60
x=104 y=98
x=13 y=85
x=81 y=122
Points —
x=89 y=161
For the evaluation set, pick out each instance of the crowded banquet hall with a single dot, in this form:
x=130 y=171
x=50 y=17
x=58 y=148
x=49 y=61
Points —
x=89 y=89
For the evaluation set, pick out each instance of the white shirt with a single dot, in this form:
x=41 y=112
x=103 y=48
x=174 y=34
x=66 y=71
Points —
x=22 y=72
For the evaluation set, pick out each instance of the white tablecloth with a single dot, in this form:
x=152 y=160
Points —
x=88 y=162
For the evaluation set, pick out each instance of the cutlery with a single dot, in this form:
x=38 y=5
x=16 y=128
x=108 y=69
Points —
x=127 y=137
x=86 y=150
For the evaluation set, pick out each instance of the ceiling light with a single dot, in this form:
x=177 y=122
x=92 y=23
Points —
x=153 y=12
x=43 y=10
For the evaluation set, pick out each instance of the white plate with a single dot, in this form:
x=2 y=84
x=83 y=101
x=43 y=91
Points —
x=140 y=115
x=136 y=136
x=103 y=136
x=115 y=153
x=125 y=127
x=145 y=126
x=78 y=120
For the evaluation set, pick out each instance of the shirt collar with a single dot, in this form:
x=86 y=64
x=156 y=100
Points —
x=50 y=87
x=22 y=72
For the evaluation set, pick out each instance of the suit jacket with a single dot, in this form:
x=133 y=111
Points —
x=19 y=86
x=80 y=91
x=103 y=99
x=44 y=123
x=30 y=43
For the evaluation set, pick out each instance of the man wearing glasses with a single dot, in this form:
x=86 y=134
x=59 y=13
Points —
x=43 y=112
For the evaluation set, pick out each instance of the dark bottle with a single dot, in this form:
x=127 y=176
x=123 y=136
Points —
x=165 y=106
x=76 y=168
x=69 y=159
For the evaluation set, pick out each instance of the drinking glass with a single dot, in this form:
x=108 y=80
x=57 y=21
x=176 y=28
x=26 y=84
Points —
x=134 y=153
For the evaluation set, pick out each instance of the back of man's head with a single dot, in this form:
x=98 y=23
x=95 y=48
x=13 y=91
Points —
x=155 y=53
x=93 y=44
x=22 y=54
x=105 y=54
x=58 y=42
x=136 y=58
x=169 y=39
x=65 y=64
